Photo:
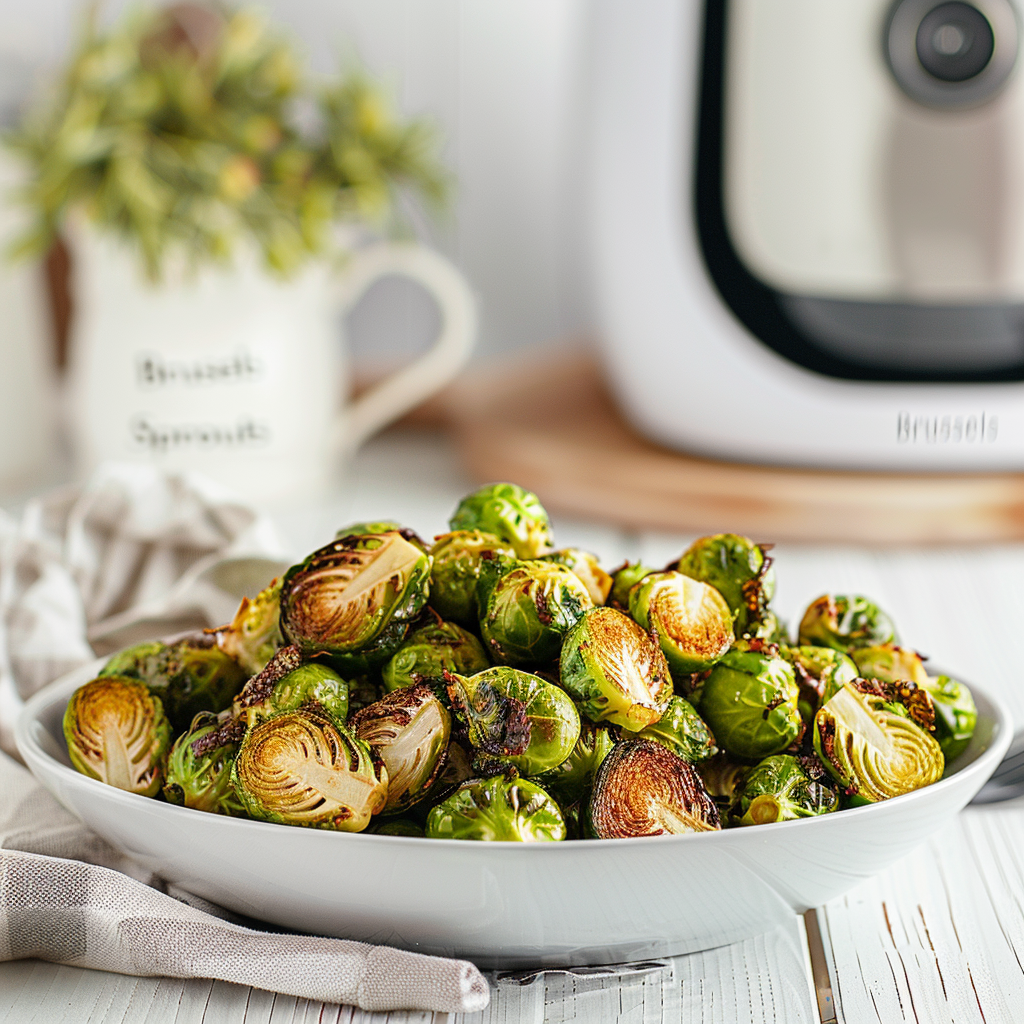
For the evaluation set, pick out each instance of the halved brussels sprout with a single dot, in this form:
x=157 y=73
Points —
x=586 y=566
x=692 y=621
x=820 y=671
x=382 y=526
x=750 y=702
x=738 y=569
x=409 y=730
x=572 y=779
x=680 y=729
x=199 y=776
x=526 y=608
x=515 y=716
x=871 y=749
x=614 y=670
x=643 y=789
x=510 y=513
x=190 y=675
x=778 y=789
x=497 y=809
x=290 y=688
x=955 y=714
x=354 y=598
x=453 y=579
x=254 y=634
x=889 y=662
x=845 y=622
x=432 y=649
x=623 y=580
x=117 y=732
x=305 y=768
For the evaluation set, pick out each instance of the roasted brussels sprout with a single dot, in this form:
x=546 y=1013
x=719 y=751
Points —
x=955 y=715
x=304 y=768
x=889 y=663
x=189 y=675
x=873 y=739
x=432 y=649
x=623 y=580
x=571 y=780
x=354 y=598
x=516 y=716
x=750 y=702
x=680 y=729
x=497 y=809
x=288 y=689
x=199 y=776
x=738 y=569
x=723 y=779
x=409 y=729
x=643 y=789
x=614 y=670
x=254 y=635
x=453 y=580
x=691 y=619
x=778 y=789
x=510 y=513
x=526 y=608
x=586 y=566
x=383 y=526
x=820 y=671
x=845 y=623
x=117 y=732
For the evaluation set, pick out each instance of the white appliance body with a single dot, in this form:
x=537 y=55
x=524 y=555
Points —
x=815 y=209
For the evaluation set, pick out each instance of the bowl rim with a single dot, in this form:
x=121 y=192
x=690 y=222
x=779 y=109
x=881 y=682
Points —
x=981 y=768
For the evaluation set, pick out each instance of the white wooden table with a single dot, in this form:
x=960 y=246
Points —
x=938 y=938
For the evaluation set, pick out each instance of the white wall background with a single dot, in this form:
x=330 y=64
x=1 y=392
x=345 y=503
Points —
x=500 y=77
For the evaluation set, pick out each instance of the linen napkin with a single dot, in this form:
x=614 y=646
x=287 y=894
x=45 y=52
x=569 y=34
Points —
x=135 y=554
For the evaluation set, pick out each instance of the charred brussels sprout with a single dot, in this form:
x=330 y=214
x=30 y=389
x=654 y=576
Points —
x=198 y=775
x=354 y=598
x=457 y=558
x=739 y=570
x=750 y=702
x=516 y=716
x=190 y=675
x=691 y=619
x=526 y=608
x=890 y=663
x=845 y=622
x=288 y=689
x=497 y=809
x=869 y=738
x=117 y=732
x=682 y=730
x=820 y=671
x=643 y=789
x=778 y=789
x=383 y=526
x=614 y=670
x=510 y=513
x=572 y=779
x=431 y=650
x=304 y=768
x=254 y=635
x=409 y=729
x=623 y=580
x=587 y=568
x=955 y=715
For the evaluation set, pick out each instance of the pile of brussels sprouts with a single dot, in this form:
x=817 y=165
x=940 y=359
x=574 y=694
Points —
x=490 y=686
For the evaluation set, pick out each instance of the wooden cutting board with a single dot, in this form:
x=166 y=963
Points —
x=554 y=429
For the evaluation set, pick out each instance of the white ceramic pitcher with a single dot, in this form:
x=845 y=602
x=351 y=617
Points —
x=234 y=373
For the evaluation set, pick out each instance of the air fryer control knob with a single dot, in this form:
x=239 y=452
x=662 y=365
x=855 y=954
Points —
x=953 y=54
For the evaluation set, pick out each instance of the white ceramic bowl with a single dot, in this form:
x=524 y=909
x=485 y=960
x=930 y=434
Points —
x=510 y=904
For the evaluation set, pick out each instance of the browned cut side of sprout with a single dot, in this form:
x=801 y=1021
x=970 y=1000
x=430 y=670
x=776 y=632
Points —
x=643 y=789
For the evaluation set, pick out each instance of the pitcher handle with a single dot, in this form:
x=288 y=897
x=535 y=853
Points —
x=407 y=387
